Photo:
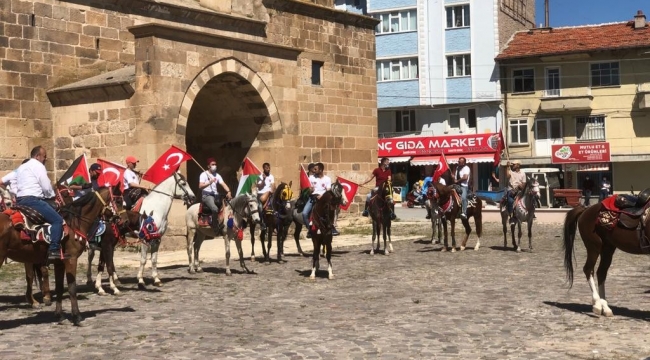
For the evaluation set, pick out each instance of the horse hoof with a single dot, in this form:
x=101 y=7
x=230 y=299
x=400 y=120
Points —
x=36 y=306
x=312 y=277
x=476 y=247
x=597 y=309
x=330 y=277
x=47 y=302
x=530 y=249
x=386 y=252
x=157 y=283
x=252 y=258
x=90 y=283
x=444 y=249
x=101 y=293
x=60 y=319
x=228 y=273
x=518 y=249
x=141 y=286
x=453 y=249
x=462 y=248
x=191 y=271
x=372 y=252
x=78 y=322
x=117 y=293
x=199 y=269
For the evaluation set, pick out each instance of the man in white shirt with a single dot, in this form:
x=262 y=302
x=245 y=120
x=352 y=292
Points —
x=319 y=185
x=132 y=181
x=265 y=187
x=32 y=188
x=8 y=182
x=462 y=179
x=208 y=181
x=605 y=188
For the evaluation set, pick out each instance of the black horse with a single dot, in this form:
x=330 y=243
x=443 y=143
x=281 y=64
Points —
x=322 y=216
x=277 y=217
x=381 y=207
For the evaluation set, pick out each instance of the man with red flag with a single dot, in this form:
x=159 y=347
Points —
x=380 y=174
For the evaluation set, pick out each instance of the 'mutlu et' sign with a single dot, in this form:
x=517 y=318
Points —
x=580 y=153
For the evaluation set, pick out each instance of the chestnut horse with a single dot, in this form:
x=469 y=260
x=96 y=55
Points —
x=322 y=216
x=450 y=206
x=381 y=207
x=600 y=242
x=279 y=219
x=79 y=216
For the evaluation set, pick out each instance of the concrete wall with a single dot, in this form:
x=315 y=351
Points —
x=397 y=93
x=398 y=45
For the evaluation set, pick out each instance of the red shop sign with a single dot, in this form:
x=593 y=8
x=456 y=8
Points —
x=435 y=145
x=580 y=153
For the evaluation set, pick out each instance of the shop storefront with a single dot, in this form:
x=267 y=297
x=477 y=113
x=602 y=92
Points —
x=584 y=164
x=413 y=158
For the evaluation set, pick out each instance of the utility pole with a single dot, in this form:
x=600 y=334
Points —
x=546 y=23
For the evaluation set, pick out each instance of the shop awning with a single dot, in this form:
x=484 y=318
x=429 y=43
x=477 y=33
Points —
x=398 y=159
x=452 y=159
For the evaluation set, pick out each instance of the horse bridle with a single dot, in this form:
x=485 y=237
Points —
x=250 y=199
x=186 y=197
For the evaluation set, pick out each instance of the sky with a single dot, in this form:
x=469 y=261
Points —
x=584 y=12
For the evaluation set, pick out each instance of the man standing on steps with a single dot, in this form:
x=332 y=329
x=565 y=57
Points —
x=381 y=175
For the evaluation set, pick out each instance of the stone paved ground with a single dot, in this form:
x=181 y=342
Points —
x=415 y=303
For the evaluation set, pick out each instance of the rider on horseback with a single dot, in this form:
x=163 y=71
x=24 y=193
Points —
x=516 y=182
x=33 y=186
x=131 y=183
x=462 y=179
x=208 y=181
x=81 y=189
x=265 y=188
x=380 y=174
x=319 y=185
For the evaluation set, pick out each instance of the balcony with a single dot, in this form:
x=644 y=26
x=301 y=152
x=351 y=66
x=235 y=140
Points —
x=643 y=93
x=567 y=100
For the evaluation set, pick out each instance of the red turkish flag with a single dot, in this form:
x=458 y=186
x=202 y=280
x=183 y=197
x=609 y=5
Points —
x=350 y=189
x=500 y=146
x=166 y=165
x=112 y=174
x=442 y=167
x=304 y=179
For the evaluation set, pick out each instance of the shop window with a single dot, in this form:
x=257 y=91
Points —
x=519 y=132
x=471 y=118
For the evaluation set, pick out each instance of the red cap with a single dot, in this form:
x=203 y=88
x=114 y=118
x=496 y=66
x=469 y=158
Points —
x=131 y=159
x=211 y=160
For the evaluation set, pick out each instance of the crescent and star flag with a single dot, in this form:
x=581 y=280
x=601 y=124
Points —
x=112 y=174
x=350 y=188
x=78 y=172
x=166 y=165
x=442 y=167
x=500 y=146
x=249 y=175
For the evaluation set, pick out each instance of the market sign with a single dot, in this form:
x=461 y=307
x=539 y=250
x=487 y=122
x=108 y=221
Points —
x=580 y=153
x=435 y=145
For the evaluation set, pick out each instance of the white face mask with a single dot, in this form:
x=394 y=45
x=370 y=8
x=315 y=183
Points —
x=213 y=168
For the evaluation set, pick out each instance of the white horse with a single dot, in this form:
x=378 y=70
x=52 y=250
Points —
x=240 y=208
x=157 y=205
x=5 y=196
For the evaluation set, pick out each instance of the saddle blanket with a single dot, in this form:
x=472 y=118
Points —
x=30 y=231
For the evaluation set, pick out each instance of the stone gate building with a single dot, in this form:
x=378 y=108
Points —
x=280 y=81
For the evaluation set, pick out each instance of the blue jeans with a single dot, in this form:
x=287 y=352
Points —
x=511 y=200
x=307 y=210
x=463 y=197
x=50 y=215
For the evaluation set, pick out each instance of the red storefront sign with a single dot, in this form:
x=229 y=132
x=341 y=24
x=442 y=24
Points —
x=580 y=153
x=435 y=145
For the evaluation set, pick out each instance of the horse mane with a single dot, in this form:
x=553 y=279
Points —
x=278 y=190
x=239 y=201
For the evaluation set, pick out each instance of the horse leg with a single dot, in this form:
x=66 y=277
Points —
x=387 y=231
x=154 y=262
x=330 y=273
x=530 y=235
x=252 y=230
x=478 y=224
x=29 y=278
x=240 y=251
x=453 y=234
x=504 y=222
x=43 y=278
x=59 y=274
x=605 y=261
x=444 y=226
x=519 y=234
x=296 y=237
x=594 y=249
x=109 y=249
x=190 y=240
x=100 y=271
x=512 y=233
x=269 y=241
x=374 y=235
x=280 y=241
x=263 y=243
x=144 y=249
x=468 y=230
x=226 y=242
x=197 y=249
x=89 y=271
x=315 y=256
x=71 y=277
x=386 y=250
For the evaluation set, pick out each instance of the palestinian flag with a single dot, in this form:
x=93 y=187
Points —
x=305 y=184
x=77 y=174
x=249 y=176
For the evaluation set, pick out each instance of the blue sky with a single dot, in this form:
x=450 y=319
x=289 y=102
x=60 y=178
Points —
x=583 y=12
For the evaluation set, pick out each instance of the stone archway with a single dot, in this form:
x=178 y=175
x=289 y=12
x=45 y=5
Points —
x=227 y=110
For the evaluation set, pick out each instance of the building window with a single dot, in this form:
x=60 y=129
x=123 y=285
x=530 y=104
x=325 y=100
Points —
x=471 y=118
x=457 y=16
x=397 y=69
x=316 y=72
x=524 y=80
x=519 y=132
x=396 y=21
x=552 y=82
x=405 y=120
x=590 y=128
x=459 y=65
x=454 y=118
x=605 y=74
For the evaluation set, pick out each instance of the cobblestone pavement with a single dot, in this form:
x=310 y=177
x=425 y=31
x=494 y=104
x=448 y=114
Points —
x=415 y=303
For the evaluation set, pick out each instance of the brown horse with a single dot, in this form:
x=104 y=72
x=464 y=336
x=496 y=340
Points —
x=599 y=242
x=381 y=207
x=450 y=206
x=80 y=217
x=278 y=217
x=322 y=216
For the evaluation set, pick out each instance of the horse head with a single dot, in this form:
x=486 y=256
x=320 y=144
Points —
x=283 y=195
x=251 y=209
x=532 y=187
x=386 y=191
x=182 y=189
x=339 y=194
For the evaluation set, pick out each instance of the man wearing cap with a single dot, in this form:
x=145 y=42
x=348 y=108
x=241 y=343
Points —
x=208 y=181
x=516 y=181
x=81 y=189
x=131 y=182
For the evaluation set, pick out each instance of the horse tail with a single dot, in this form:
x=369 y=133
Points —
x=570 y=225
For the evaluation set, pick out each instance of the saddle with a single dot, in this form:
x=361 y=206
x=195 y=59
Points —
x=267 y=208
x=206 y=215
x=31 y=224
x=622 y=210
